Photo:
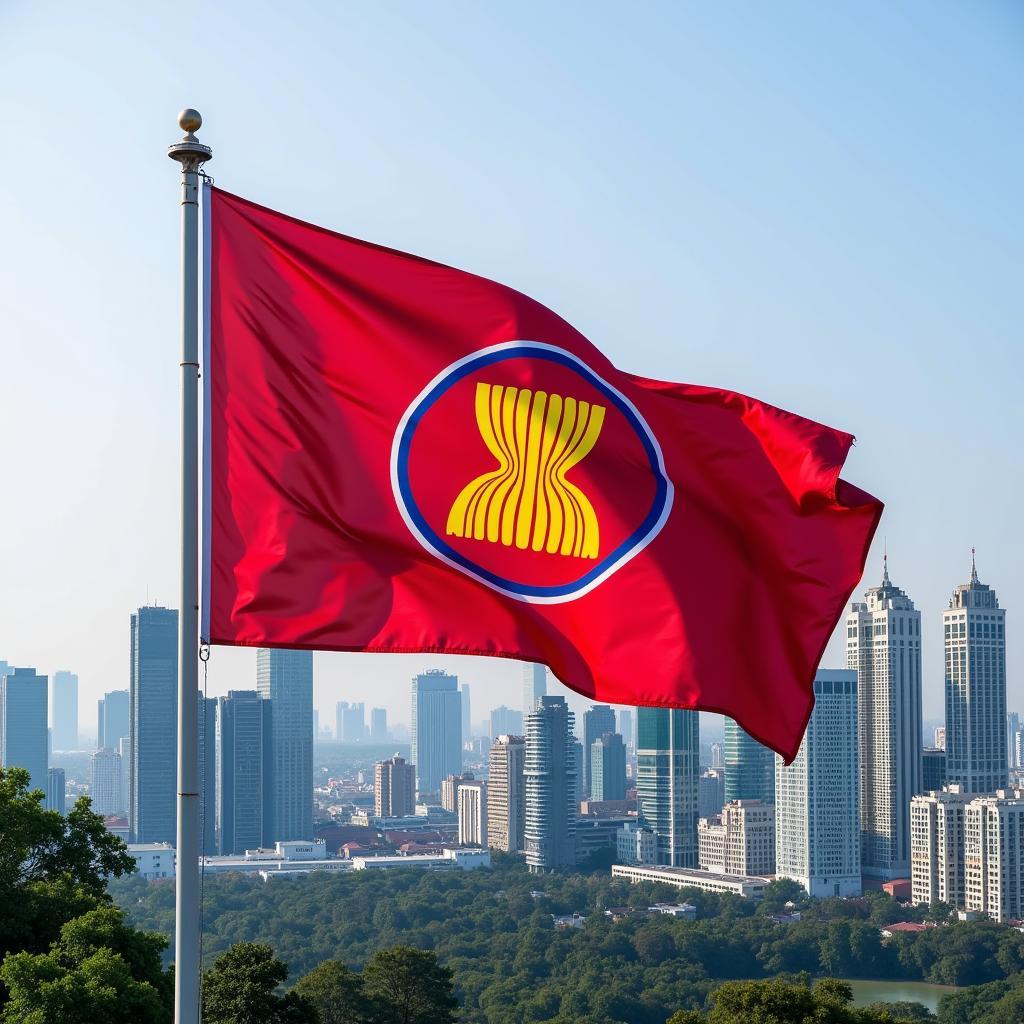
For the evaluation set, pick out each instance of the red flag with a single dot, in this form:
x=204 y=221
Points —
x=405 y=457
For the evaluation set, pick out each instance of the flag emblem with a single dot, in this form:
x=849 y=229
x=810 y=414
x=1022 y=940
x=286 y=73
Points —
x=556 y=480
x=536 y=439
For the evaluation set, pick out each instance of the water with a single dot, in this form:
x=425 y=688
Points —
x=867 y=992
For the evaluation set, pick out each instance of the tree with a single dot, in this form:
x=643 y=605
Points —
x=337 y=994
x=412 y=987
x=100 y=971
x=778 y=1002
x=52 y=868
x=241 y=987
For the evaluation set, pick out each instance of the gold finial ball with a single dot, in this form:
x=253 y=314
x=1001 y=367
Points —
x=190 y=120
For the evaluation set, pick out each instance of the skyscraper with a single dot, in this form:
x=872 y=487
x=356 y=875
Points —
x=350 y=722
x=506 y=722
x=378 y=725
x=933 y=769
x=817 y=816
x=550 y=776
x=506 y=794
x=206 y=720
x=1012 y=728
x=668 y=769
x=105 y=782
x=112 y=718
x=64 y=710
x=608 y=768
x=23 y=734
x=153 y=725
x=472 y=811
x=56 y=790
x=467 y=724
x=883 y=646
x=626 y=729
x=394 y=786
x=711 y=792
x=974 y=632
x=598 y=719
x=535 y=685
x=244 y=771
x=436 y=729
x=286 y=679
x=749 y=767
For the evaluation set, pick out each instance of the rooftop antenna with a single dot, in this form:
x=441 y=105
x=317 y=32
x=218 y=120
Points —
x=885 y=563
x=974 y=567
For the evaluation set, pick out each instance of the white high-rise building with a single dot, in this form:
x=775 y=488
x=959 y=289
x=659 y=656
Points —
x=436 y=729
x=994 y=855
x=937 y=846
x=506 y=790
x=817 y=831
x=64 y=711
x=472 y=810
x=105 y=785
x=535 y=685
x=551 y=786
x=975 y=639
x=883 y=645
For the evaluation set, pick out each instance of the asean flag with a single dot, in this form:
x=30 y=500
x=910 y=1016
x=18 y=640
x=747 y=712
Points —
x=404 y=457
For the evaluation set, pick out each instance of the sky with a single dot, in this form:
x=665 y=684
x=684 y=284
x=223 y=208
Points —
x=820 y=205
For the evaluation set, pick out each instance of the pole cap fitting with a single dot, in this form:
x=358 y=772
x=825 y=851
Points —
x=190 y=121
x=190 y=152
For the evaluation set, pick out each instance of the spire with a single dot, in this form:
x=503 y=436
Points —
x=885 y=566
x=974 y=569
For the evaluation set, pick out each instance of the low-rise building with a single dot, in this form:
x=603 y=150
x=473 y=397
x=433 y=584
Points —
x=467 y=860
x=740 y=840
x=688 y=878
x=153 y=860
x=635 y=844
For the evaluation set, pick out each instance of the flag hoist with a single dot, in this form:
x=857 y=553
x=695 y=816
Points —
x=191 y=154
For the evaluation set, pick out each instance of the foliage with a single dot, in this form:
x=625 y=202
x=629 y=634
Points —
x=780 y=1002
x=337 y=994
x=999 y=1002
x=99 y=971
x=902 y=1010
x=510 y=965
x=410 y=987
x=241 y=988
x=52 y=867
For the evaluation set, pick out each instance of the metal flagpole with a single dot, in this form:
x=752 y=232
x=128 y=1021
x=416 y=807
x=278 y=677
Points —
x=191 y=154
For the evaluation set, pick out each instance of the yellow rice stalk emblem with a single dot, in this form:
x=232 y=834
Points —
x=527 y=501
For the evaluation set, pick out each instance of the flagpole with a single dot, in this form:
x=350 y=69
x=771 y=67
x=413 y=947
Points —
x=191 y=154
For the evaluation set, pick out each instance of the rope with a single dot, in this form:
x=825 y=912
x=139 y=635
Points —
x=204 y=657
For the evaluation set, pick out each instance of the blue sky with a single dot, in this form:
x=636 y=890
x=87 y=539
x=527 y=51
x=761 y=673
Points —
x=820 y=205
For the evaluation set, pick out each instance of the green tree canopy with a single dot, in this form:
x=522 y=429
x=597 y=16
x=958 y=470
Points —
x=52 y=867
x=100 y=971
x=411 y=986
x=337 y=994
x=779 y=1002
x=241 y=988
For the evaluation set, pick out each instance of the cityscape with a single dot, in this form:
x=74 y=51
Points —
x=511 y=514
x=866 y=804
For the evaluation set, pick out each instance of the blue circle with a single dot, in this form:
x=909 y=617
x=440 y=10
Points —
x=651 y=520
